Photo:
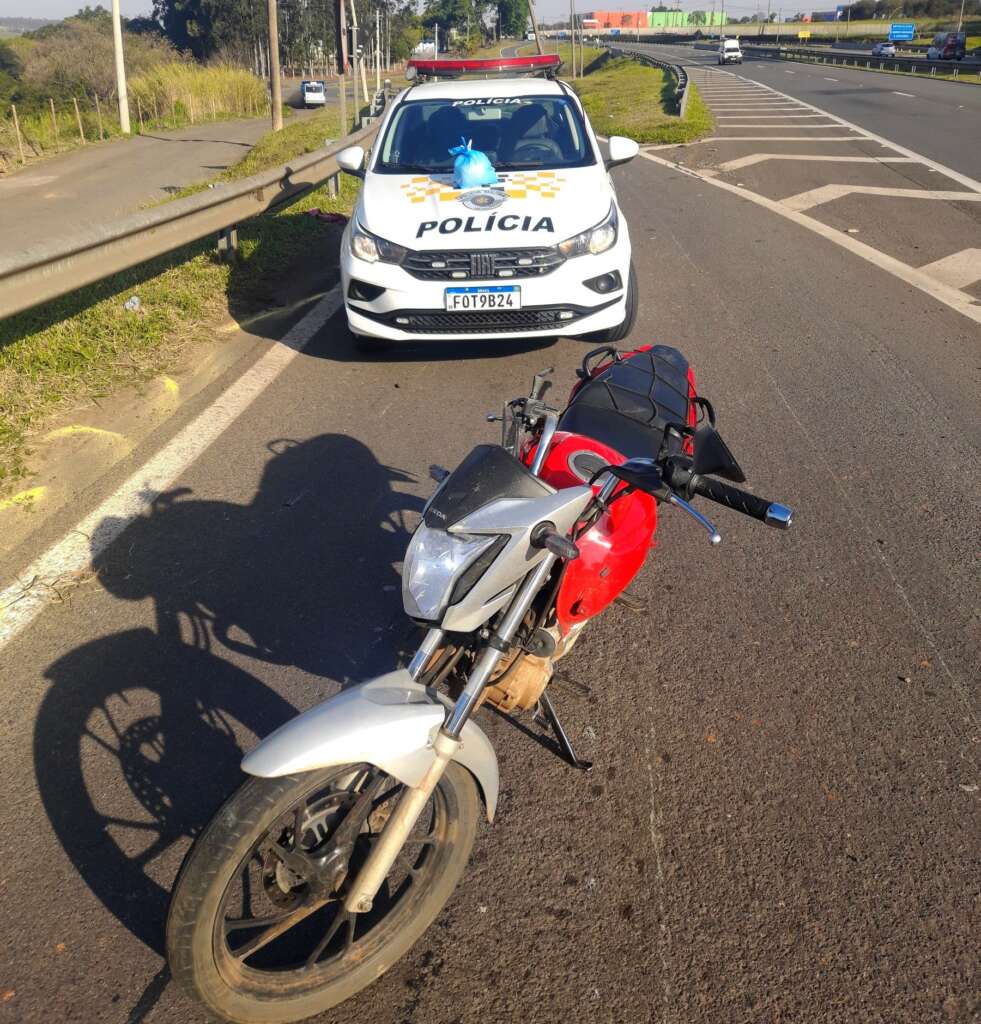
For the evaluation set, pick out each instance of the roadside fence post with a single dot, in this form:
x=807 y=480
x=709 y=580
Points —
x=54 y=123
x=139 y=112
x=78 y=119
x=98 y=115
x=228 y=243
x=20 y=141
x=173 y=109
x=332 y=186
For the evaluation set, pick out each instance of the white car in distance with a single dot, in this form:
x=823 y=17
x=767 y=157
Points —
x=543 y=252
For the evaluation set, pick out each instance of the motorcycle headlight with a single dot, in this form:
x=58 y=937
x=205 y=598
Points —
x=433 y=563
x=596 y=240
x=371 y=248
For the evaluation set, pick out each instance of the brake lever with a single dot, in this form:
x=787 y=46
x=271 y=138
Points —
x=714 y=536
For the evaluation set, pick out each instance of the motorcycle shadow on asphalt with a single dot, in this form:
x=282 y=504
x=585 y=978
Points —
x=139 y=738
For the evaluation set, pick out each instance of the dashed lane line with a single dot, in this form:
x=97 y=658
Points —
x=29 y=595
x=829 y=193
x=758 y=158
x=908 y=95
x=957 y=300
x=831 y=79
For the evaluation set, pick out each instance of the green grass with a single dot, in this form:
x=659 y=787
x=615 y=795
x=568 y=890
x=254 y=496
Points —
x=171 y=95
x=85 y=345
x=627 y=98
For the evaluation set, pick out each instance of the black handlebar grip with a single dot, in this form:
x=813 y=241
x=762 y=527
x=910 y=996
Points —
x=768 y=512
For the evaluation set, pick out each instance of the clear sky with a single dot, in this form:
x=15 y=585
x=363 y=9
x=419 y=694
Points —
x=62 y=8
x=548 y=10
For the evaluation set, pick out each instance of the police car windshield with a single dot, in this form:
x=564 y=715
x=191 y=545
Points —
x=517 y=133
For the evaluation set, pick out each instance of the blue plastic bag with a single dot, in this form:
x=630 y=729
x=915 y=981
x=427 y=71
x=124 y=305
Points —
x=471 y=169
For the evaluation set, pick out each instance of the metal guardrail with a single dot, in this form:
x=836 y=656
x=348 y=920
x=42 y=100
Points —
x=681 y=76
x=908 y=65
x=44 y=272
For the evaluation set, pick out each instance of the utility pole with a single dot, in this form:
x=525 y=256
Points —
x=572 y=36
x=358 y=62
x=340 y=29
x=275 y=85
x=117 y=45
x=960 y=17
x=534 y=25
x=378 y=61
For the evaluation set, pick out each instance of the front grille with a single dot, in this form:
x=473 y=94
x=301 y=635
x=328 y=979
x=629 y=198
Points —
x=540 y=318
x=482 y=265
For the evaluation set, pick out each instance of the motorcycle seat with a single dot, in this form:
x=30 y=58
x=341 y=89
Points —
x=629 y=404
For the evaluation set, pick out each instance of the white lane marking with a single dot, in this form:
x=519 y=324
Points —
x=789 y=72
x=957 y=300
x=908 y=95
x=753 y=138
x=959 y=270
x=758 y=158
x=773 y=117
x=762 y=105
x=964 y=179
x=831 y=79
x=24 y=600
x=802 y=128
x=829 y=193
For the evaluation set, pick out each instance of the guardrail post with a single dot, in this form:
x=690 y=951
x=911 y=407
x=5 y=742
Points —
x=228 y=243
x=332 y=185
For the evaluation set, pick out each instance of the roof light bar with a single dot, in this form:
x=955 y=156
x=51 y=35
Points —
x=540 y=63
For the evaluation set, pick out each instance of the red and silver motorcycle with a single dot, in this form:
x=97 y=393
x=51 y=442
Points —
x=359 y=816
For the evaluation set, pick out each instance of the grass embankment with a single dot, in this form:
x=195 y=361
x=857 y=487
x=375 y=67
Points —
x=170 y=95
x=626 y=98
x=84 y=345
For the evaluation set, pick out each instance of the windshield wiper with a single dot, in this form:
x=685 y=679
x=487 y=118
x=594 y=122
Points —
x=416 y=169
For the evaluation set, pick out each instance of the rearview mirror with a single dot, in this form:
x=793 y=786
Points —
x=713 y=458
x=622 y=150
x=351 y=161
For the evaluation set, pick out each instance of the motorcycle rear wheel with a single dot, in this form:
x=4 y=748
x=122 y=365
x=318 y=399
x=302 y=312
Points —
x=234 y=890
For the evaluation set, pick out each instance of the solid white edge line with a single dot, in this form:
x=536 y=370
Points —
x=29 y=595
x=959 y=301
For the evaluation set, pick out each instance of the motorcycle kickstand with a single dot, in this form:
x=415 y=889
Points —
x=545 y=715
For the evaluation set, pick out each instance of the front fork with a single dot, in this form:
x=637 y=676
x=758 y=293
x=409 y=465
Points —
x=446 y=742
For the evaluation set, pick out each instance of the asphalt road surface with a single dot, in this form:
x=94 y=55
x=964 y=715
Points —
x=941 y=120
x=783 y=821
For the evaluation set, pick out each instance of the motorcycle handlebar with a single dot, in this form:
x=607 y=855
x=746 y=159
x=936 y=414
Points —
x=770 y=512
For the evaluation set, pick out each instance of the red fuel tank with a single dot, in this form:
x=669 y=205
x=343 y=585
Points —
x=614 y=548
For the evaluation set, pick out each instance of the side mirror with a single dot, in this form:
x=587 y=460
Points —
x=351 y=161
x=622 y=151
x=713 y=458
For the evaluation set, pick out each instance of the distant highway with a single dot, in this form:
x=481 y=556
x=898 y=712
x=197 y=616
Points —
x=938 y=119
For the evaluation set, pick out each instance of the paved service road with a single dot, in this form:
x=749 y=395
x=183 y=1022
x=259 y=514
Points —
x=783 y=820
x=940 y=120
x=96 y=184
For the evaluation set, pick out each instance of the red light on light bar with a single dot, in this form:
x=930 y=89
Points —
x=493 y=65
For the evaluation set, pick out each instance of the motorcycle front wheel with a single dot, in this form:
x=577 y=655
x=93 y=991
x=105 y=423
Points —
x=257 y=930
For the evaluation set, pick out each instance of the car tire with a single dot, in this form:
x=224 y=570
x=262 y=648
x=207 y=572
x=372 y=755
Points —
x=614 y=334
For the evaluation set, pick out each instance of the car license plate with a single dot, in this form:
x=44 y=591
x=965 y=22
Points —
x=469 y=300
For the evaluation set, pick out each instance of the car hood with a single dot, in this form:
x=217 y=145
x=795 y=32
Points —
x=527 y=208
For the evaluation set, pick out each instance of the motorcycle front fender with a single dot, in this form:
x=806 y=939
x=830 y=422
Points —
x=390 y=722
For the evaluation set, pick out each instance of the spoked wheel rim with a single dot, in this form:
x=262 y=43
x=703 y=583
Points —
x=281 y=927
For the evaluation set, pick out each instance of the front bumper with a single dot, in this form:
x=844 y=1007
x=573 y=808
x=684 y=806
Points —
x=557 y=303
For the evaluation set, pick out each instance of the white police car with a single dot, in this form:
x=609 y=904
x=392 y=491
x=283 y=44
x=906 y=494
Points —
x=544 y=252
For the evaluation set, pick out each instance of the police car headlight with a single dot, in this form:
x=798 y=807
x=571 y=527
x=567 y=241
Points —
x=596 y=240
x=371 y=248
